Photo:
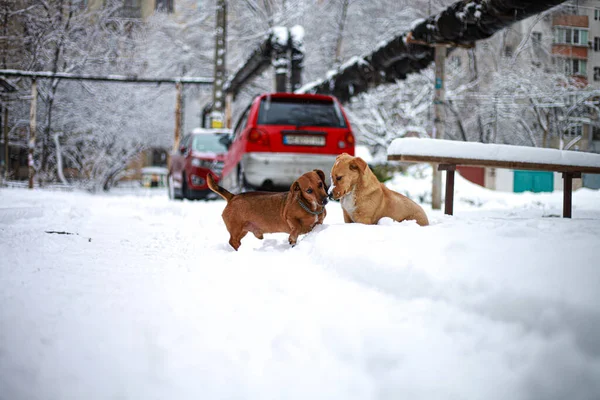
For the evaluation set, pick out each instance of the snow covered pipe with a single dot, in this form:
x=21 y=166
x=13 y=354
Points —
x=462 y=23
x=255 y=64
x=282 y=48
x=279 y=43
x=296 y=56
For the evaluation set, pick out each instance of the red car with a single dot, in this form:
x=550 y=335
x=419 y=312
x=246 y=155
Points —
x=200 y=152
x=280 y=136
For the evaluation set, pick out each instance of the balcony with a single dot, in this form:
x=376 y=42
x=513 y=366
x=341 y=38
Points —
x=577 y=21
x=570 y=51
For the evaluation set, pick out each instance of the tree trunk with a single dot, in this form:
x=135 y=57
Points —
x=461 y=128
x=54 y=87
x=32 y=132
x=59 y=164
x=340 y=33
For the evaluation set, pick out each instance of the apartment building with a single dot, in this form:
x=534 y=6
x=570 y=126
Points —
x=569 y=39
x=566 y=40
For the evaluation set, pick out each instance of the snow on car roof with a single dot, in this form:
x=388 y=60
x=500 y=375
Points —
x=197 y=131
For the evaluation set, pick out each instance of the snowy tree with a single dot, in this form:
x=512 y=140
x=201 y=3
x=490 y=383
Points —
x=493 y=96
x=61 y=36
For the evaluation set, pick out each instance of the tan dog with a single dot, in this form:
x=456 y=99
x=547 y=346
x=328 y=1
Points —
x=295 y=212
x=366 y=200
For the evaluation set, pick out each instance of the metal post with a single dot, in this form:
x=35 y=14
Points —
x=178 y=101
x=449 y=199
x=439 y=120
x=568 y=192
x=218 y=103
x=32 y=131
x=6 y=148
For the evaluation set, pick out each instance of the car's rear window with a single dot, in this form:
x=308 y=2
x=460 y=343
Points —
x=209 y=143
x=283 y=111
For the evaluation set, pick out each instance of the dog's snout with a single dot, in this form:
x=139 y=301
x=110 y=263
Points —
x=330 y=192
x=325 y=201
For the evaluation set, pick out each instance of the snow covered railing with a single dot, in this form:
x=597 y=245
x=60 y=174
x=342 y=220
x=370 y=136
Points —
x=448 y=154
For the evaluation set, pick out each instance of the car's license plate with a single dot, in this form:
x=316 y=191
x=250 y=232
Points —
x=304 y=140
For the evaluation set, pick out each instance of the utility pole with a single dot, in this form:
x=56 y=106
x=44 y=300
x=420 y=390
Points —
x=439 y=120
x=32 y=131
x=178 y=104
x=218 y=103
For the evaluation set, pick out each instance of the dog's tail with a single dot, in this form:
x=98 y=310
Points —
x=218 y=189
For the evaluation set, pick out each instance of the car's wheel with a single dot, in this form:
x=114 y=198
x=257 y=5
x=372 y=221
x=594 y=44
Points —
x=184 y=188
x=241 y=180
x=171 y=189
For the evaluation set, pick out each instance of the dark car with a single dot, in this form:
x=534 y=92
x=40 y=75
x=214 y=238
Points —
x=201 y=152
x=280 y=136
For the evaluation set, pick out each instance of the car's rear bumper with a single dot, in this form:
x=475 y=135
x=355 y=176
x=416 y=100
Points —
x=282 y=169
x=201 y=194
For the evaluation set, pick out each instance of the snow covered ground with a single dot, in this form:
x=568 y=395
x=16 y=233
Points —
x=147 y=301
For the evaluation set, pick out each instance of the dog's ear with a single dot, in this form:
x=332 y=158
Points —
x=342 y=155
x=321 y=174
x=295 y=187
x=358 y=164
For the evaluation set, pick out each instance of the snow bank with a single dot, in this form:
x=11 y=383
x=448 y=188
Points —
x=147 y=301
x=482 y=151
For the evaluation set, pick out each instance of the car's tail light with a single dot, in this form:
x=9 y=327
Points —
x=348 y=140
x=257 y=136
x=349 y=137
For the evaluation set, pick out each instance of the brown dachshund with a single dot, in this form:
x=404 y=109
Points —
x=366 y=200
x=295 y=212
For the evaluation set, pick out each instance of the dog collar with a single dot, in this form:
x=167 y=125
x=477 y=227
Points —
x=308 y=210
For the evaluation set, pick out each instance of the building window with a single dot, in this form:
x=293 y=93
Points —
x=536 y=38
x=508 y=51
x=596 y=14
x=578 y=37
x=597 y=73
x=574 y=130
x=595 y=133
x=165 y=5
x=573 y=66
x=597 y=43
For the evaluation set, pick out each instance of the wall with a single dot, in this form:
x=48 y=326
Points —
x=504 y=179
